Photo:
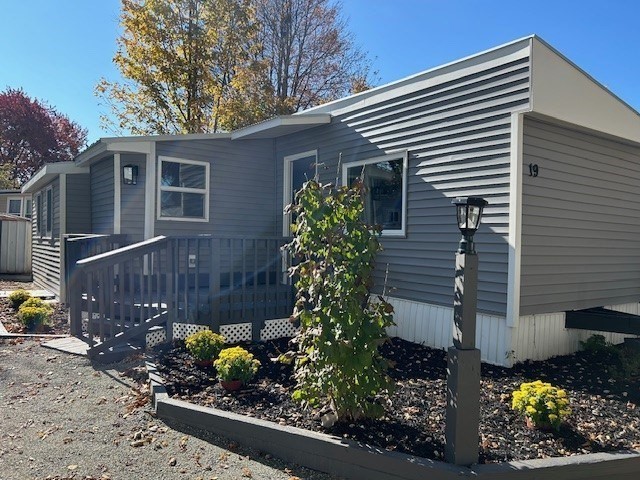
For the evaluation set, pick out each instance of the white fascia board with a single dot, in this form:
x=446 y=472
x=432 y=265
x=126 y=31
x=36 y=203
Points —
x=510 y=51
x=563 y=91
x=286 y=123
x=48 y=172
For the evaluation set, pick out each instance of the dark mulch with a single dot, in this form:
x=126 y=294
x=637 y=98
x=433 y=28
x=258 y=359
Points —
x=59 y=324
x=605 y=414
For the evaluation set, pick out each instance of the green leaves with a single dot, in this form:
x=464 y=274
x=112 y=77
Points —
x=337 y=361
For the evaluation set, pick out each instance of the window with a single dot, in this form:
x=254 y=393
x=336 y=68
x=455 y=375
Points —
x=385 y=179
x=39 y=215
x=183 y=188
x=49 y=217
x=297 y=169
x=14 y=206
x=28 y=208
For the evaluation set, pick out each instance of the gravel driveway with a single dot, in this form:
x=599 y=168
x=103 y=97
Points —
x=62 y=418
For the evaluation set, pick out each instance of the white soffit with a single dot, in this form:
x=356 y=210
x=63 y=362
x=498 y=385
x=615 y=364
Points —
x=282 y=125
x=561 y=90
x=50 y=171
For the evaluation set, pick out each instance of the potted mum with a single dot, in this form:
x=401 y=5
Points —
x=204 y=346
x=235 y=367
x=544 y=406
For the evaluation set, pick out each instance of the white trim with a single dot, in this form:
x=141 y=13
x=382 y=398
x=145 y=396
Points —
x=404 y=155
x=515 y=220
x=286 y=185
x=282 y=125
x=63 y=231
x=150 y=192
x=20 y=210
x=201 y=191
x=117 y=194
x=48 y=172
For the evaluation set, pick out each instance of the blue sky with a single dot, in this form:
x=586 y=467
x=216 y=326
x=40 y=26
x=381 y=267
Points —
x=58 y=50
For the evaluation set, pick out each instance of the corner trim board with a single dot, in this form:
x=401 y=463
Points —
x=117 y=194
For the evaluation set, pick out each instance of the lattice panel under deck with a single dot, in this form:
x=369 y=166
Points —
x=155 y=337
x=279 y=328
x=183 y=330
x=237 y=332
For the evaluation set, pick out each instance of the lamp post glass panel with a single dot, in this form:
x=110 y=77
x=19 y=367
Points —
x=463 y=363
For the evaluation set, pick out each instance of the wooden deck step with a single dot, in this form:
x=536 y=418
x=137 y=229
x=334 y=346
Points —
x=71 y=345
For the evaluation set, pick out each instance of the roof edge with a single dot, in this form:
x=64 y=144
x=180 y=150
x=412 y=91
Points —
x=48 y=172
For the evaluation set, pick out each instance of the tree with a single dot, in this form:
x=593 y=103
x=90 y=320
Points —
x=33 y=133
x=178 y=59
x=195 y=66
x=311 y=54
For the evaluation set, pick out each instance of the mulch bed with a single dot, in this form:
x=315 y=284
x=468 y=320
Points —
x=59 y=320
x=605 y=414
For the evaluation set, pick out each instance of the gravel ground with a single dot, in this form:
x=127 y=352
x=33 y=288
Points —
x=63 y=418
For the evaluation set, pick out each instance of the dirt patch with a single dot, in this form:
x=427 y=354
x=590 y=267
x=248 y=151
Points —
x=605 y=414
x=59 y=324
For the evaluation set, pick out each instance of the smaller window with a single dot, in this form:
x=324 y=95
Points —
x=49 y=212
x=28 y=208
x=385 y=180
x=183 y=190
x=15 y=206
x=39 y=215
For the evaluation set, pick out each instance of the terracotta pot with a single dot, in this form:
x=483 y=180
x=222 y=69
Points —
x=544 y=426
x=231 y=385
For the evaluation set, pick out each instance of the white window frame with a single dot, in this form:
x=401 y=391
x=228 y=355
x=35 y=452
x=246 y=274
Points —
x=20 y=211
x=286 y=186
x=48 y=228
x=27 y=212
x=200 y=191
x=404 y=156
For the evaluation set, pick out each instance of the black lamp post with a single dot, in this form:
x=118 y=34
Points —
x=463 y=368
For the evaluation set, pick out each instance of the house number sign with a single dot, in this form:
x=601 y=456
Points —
x=533 y=169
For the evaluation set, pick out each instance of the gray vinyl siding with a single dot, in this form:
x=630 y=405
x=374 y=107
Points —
x=46 y=249
x=132 y=199
x=580 y=228
x=102 y=191
x=457 y=135
x=78 y=204
x=242 y=198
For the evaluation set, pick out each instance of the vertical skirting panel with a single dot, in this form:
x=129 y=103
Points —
x=432 y=325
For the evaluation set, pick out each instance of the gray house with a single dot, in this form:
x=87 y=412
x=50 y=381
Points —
x=555 y=153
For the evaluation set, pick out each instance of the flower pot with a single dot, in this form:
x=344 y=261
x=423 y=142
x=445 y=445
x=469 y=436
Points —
x=231 y=385
x=544 y=426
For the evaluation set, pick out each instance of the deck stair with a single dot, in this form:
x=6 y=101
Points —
x=603 y=320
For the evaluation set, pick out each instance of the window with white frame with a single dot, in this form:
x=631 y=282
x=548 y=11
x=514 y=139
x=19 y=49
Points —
x=39 y=215
x=385 y=180
x=14 y=206
x=183 y=189
x=298 y=169
x=49 y=215
x=28 y=207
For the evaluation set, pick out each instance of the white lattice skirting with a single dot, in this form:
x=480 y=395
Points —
x=234 y=333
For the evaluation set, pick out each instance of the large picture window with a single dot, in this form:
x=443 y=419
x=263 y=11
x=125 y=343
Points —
x=183 y=188
x=385 y=179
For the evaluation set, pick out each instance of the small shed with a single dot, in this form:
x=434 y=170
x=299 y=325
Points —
x=15 y=247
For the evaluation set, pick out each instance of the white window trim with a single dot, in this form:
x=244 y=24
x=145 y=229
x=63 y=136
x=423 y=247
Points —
x=286 y=186
x=38 y=215
x=21 y=211
x=25 y=202
x=161 y=188
x=48 y=232
x=404 y=155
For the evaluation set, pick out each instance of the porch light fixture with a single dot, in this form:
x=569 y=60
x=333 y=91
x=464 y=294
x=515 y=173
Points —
x=130 y=174
x=469 y=213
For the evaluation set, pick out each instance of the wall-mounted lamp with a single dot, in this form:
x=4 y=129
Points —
x=130 y=174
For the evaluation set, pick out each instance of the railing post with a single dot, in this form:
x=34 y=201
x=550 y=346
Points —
x=74 y=299
x=170 y=276
x=214 y=284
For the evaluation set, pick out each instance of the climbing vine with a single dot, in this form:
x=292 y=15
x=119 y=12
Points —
x=337 y=363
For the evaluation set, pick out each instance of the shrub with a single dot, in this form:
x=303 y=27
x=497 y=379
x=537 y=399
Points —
x=542 y=403
x=596 y=344
x=32 y=317
x=18 y=297
x=35 y=302
x=236 y=364
x=337 y=362
x=204 y=345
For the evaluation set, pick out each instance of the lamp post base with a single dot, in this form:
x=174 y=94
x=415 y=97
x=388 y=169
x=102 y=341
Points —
x=463 y=406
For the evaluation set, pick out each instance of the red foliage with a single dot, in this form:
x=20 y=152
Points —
x=33 y=133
